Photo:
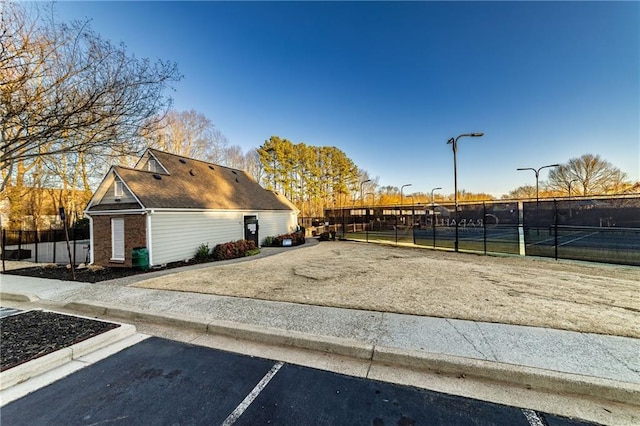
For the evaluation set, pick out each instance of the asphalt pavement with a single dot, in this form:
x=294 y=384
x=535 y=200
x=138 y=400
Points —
x=599 y=373
x=160 y=381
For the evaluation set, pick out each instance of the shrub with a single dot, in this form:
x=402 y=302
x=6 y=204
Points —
x=268 y=242
x=296 y=238
x=202 y=252
x=233 y=249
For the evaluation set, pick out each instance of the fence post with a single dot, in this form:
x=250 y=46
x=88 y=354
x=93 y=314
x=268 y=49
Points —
x=73 y=234
x=396 y=226
x=484 y=226
x=55 y=243
x=433 y=224
x=521 y=242
x=36 y=243
x=4 y=244
x=555 y=226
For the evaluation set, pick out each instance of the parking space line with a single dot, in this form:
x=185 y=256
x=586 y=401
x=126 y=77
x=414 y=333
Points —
x=534 y=418
x=235 y=415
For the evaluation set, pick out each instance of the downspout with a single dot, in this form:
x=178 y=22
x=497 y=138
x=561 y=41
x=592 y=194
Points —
x=90 y=240
x=149 y=238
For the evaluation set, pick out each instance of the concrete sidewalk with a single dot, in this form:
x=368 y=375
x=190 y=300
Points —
x=547 y=360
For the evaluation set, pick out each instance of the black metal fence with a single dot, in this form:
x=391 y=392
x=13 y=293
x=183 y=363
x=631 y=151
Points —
x=603 y=229
x=48 y=246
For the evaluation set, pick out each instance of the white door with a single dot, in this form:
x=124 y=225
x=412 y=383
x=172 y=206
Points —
x=117 y=239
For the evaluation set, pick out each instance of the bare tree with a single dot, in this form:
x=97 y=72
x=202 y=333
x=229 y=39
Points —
x=189 y=133
x=235 y=158
x=253 y=165
x=589 y=174
x=526 y=191
x=64 y=89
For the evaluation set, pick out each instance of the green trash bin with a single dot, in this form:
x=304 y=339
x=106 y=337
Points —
x=140 y=258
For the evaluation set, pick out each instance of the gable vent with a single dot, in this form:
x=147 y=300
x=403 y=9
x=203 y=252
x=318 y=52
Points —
x=182 y=161
x=158 y=177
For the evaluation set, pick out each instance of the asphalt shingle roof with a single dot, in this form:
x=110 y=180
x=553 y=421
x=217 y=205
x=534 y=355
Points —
x=195 y=184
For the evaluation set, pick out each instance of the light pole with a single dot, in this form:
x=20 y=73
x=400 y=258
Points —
x=367 y=213
x=570 y=182
x=402 y=197
x=571 y=202
x=454 y=143
x=362 y=199
x=433 y=216
x=413 y=215
x=537 y=172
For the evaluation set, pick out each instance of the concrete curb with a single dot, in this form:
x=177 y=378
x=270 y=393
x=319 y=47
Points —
x=19 y=297
x=508 y=374
x=514 y=375
x=24 y=372
x=274 y=336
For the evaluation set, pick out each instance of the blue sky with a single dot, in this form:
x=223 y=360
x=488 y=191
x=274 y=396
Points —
x=390 y=82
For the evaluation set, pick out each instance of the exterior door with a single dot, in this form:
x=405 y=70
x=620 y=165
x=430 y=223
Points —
x=251 y=229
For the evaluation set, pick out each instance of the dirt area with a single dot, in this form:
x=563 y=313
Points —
x=578 y=296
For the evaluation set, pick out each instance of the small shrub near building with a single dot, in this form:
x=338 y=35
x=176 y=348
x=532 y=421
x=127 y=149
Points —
x=234 y=249
x=203 y=252
x=296 y=238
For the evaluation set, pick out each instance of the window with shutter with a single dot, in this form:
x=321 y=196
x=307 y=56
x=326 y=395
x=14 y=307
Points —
x=117 y=239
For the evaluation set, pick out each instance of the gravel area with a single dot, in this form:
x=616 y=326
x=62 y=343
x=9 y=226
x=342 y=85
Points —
x=29 y=335
x=577 y=296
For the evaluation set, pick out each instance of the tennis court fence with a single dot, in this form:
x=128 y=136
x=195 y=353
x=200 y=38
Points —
x=602 y=229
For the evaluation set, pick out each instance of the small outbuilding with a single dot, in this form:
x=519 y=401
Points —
x=168 y=205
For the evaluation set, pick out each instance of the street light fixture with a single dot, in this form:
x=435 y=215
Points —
x=570 y=201
x=362 y=199
x=537 y=172
x=454 y=143
x=570 y=182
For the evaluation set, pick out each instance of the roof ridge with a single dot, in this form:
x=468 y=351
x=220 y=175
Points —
x=194 y=159
x=133 y=169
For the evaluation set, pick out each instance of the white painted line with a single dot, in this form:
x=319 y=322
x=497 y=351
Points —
x=578 y=239
x=252 y=395
x=533 y=418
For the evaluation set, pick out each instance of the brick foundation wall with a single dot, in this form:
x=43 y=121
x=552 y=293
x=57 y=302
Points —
x=134 y=236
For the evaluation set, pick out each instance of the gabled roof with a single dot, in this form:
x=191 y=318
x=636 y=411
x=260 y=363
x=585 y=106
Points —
x=195 y=184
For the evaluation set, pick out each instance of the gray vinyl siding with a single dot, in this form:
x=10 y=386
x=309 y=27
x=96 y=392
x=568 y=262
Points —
x=273 y=223
x=110 y=198
x=176 y=236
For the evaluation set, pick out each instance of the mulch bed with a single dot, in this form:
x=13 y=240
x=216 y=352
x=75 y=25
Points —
x=87 y=275
x=29 y=335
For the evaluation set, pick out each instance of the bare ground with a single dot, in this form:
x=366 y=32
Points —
x=578 y=296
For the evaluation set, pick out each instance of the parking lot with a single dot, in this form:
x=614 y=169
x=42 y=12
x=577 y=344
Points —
x=160 y=381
